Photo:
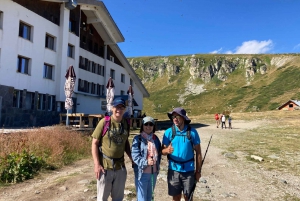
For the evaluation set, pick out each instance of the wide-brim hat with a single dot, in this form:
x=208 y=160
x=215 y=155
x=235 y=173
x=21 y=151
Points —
x=181 y=112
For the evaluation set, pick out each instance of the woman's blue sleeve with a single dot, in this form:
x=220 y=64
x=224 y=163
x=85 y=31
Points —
x=136 y=153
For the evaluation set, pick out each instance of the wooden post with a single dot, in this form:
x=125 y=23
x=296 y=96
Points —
x=134 y=123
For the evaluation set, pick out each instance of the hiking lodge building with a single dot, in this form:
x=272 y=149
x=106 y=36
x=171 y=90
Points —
x=39 y=40
x=290 y=105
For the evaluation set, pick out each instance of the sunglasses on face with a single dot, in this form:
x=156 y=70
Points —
x=176 y=116
x=148 y=124
x=120 y=108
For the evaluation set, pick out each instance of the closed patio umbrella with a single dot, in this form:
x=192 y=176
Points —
x=69 y=90
x=130 y=100
x=110 y=93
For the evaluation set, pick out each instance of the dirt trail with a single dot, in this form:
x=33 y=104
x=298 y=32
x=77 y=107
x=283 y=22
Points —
x=222 y=178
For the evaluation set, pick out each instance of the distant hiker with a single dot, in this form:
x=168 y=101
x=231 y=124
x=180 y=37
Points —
x=217 y=118
x=108 y=153
x=179 y=143
x=223 y=119
x=229 y=122
x=146 y=154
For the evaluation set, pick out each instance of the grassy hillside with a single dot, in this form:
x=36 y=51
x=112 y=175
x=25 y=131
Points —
x=263 y=92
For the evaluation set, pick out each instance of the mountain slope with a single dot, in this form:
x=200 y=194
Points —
x=216 y=83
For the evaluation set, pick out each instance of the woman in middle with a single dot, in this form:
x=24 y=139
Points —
x=146 y=155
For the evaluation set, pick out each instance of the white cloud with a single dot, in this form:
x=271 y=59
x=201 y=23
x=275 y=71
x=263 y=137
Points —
x=254 y=47
x=229 y=52
x=216 y=51
x=297 y=46
x=250 y=47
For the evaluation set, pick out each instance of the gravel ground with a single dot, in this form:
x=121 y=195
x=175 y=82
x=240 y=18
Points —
x=223 y=178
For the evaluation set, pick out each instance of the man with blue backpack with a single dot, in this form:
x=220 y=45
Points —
x=110 y=141
x=179 y=143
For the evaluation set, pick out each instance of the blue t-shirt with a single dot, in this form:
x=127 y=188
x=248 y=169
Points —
x=183 y=150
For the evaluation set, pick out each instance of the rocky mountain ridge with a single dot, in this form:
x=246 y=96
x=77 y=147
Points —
x=207 y=73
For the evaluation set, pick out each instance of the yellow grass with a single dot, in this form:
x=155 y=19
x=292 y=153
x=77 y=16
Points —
x=56 y=145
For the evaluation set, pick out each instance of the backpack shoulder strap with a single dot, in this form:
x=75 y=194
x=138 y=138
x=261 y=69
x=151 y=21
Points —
x=189 y=132
x=128 y=125
x=188 y=135
x=106 y=125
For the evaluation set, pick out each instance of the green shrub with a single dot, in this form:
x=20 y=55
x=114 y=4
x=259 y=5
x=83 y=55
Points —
x=17 y=167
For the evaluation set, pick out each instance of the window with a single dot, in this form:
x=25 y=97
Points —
x=83 y=25
x=96 y=48
x=100 y=90
x=70 y=51
x=89 y=66
x=41 y=101
x=100 y=70
x=131 y=82
x=112 y=73
x=17 y=98
x=112 y=58
x=49 y=42
x=91 y=30
x=93 y=88
x=25 y=31
x=101 y=51
x=90 y=46
x=54 y=19
x=1 y=19
x=122 y=78
x=94 y=67
x=83 y=39
x=86 y=63
x=83 y=86
x=51 y=103
x=60 y=107
x=72 y=26
x=48 y=71
x=81 y=62
x=23 y=65
x=103 y=105
x=122 y=92
x=29 y=102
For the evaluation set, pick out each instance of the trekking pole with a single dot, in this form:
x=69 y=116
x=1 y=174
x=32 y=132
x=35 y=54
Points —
x=194 y=186
x=205 y=152
x=152 y=180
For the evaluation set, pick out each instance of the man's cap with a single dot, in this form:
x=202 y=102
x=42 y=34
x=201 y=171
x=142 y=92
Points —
x=148 y=119
x=181 y=112
x=119 y=101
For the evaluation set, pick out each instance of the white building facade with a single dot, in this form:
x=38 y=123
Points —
x=39 y=40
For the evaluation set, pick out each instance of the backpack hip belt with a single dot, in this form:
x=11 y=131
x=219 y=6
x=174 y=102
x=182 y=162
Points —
x=113 y=160
x=180 y=162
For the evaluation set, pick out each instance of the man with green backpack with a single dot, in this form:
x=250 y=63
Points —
x=110 y=141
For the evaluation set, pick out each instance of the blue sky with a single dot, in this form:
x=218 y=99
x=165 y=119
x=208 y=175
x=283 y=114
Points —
x=181 y=27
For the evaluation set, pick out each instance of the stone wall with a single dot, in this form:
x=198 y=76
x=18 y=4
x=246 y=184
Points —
x=18 y=117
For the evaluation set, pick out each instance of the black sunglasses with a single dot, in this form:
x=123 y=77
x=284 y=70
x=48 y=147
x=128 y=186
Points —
x=176 y=116
x=148 y=124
